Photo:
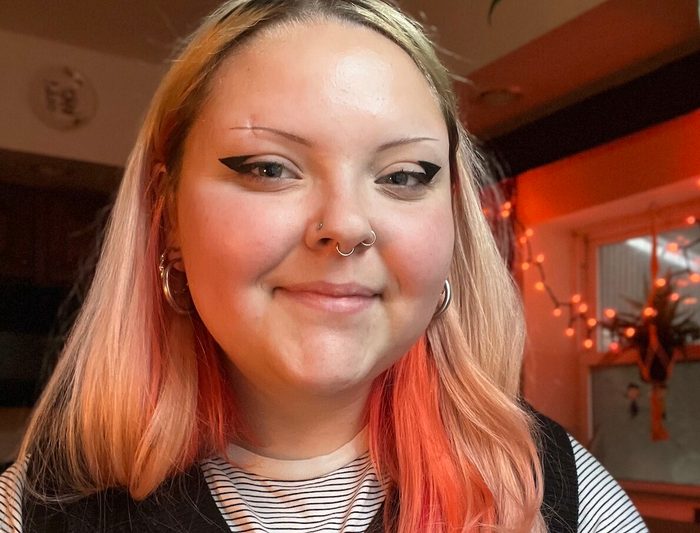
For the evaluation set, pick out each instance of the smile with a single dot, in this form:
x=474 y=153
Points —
x=330 y=297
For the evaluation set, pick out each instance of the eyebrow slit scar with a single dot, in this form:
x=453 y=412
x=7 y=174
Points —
x=281 y=133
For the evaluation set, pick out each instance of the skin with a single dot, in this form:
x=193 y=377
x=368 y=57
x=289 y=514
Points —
x=341 y=116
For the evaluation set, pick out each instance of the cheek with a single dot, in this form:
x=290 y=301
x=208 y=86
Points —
x=226 y=239
x=422 y=253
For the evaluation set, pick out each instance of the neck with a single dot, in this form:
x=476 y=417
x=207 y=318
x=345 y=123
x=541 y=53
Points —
x=296 y=425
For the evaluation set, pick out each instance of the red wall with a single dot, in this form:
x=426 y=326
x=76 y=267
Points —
x=651 y=158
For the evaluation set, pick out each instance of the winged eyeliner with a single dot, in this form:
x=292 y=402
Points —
x=236 y=163
x=430 y=169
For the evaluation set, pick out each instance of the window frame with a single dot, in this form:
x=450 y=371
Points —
x=588 y=239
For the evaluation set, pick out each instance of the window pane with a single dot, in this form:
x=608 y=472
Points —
x=621 y=439
x=624 y=274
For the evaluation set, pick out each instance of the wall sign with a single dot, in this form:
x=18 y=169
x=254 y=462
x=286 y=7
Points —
x=62 y=98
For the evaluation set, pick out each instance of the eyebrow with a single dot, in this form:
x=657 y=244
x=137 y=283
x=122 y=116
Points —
x=404 y=140
x=281 y=133
x=305 y=142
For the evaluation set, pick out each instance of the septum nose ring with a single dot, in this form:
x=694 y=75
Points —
x=366 y=243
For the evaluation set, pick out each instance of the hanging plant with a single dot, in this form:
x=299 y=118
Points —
x=658 y=333
x=658 y=330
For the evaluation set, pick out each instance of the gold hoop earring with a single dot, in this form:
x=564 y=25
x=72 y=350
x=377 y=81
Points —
x=165 y=267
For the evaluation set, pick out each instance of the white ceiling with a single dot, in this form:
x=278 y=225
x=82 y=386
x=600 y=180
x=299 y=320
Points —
x=462 y=27
x=149 y=29
x=553 y=52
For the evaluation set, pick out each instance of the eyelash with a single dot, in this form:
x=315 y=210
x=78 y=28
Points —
x=238 y=164
x=424 y=178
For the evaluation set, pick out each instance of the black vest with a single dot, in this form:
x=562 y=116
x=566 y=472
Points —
x=185 y=504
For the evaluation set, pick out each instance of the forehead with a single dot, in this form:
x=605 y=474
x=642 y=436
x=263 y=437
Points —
x=324 y=70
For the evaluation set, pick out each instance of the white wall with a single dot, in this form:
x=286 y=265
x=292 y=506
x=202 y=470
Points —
x=123 y=86
x=551 y=376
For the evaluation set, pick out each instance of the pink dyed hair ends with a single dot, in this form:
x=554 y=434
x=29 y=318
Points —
x=409 y=444
x=218 y=421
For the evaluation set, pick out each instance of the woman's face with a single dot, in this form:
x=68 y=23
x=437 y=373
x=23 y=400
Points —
x=313 y=136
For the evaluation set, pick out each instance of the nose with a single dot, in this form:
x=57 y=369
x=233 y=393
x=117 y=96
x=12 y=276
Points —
x=342 y=222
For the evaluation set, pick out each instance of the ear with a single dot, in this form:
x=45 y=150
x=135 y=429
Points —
x=169 y=219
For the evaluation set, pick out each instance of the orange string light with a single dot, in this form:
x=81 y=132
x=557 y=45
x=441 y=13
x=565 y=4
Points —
x=578 y=309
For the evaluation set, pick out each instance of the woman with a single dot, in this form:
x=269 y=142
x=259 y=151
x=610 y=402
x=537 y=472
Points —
x=299 y=320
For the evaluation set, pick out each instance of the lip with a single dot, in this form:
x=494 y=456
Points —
x=331 y=297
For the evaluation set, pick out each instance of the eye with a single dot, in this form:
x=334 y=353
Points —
x=411 y=178
x=403 y=178
x=257 y=169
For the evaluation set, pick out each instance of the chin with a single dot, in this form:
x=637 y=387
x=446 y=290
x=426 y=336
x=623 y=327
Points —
x=336 y=370
x=329 y=380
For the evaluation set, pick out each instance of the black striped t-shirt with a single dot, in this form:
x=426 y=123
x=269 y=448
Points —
x=344 y=499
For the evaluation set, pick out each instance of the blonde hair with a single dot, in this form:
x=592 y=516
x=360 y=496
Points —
x=140 y=393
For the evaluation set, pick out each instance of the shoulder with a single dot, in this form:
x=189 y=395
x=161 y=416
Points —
x=11 y=489
x=578 y=489
x=560 y=505
x=181 y=504
x=553 y=443
x=603 y=504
